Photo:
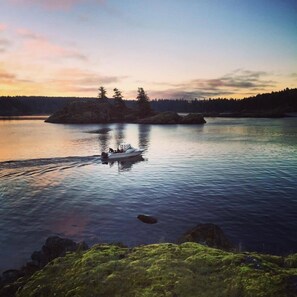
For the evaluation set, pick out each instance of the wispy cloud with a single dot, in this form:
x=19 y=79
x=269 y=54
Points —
x=9 y=78
x=41 y=47
x=4 y=44
x=75 y=80
x=239 y=81
x=6 y=77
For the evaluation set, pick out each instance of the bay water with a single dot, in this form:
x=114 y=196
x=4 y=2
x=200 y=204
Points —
x=240 y=174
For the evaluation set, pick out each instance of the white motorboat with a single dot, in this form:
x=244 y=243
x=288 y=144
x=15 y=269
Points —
x=125 y=150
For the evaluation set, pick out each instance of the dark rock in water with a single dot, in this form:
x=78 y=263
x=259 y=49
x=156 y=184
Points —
x=207 y=234
x=147 y=219
x=11 y=275
x=54 y=247
x=9 y=282
x=170 y=117
x=192 y=118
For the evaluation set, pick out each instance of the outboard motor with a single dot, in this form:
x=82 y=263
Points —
x=104 y=155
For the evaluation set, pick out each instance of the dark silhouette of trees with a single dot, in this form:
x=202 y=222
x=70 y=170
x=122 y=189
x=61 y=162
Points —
x=102 y=93
x=118 y=99
x=282 y=101
x=143 y=103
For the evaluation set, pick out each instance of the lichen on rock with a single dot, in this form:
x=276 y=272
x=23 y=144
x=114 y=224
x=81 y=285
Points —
x=185 y=270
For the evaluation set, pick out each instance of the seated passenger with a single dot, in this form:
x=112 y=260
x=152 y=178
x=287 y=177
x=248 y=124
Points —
x=111 y=150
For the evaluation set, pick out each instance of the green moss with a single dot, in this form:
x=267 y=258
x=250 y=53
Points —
x=186 y=270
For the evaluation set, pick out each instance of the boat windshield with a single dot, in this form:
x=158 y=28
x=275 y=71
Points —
x=124 y=146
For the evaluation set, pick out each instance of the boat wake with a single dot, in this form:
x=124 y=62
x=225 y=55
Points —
x=44 y=165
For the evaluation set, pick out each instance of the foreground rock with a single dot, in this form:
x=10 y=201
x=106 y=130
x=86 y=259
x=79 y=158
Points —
x=157 y=270
x=207 y=234
x=53 y=248
x=147 y=219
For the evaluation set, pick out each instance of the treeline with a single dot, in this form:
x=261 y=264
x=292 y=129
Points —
x=33 y=105
x=282 y=101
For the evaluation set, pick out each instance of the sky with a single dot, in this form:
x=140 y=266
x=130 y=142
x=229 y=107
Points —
x=172 y=48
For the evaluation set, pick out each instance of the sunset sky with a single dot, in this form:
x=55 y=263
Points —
x=171 y=48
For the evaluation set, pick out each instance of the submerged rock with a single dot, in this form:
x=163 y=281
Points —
x=147 y=219
x=207 y=234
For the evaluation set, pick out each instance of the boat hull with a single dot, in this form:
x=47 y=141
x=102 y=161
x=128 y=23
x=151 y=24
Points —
x=118 y=156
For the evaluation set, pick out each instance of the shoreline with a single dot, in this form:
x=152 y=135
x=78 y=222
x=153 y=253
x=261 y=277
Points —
x=64 y=266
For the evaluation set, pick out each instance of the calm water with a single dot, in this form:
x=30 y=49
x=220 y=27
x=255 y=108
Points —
x=238 y=173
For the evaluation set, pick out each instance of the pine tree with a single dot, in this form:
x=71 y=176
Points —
x=144 y=107
x=118 y=98
x=102 y=93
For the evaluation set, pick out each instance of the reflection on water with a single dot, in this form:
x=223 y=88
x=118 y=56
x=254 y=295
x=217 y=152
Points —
x=119 y=133
x=144 y=136
x=125 y=164
x=113 y=135
x=104 y=139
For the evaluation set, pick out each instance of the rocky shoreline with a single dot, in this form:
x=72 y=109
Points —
x=203 y=263
x=55 y=247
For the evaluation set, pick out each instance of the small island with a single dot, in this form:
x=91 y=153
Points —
x=103 y=110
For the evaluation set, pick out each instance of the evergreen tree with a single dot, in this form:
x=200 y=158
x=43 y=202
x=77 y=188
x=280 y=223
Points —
x=102 y=93
x=144 y=107
x=118 y=98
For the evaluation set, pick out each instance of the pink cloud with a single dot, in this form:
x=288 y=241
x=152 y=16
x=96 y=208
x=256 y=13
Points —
x=53 y=4
x=77 y=80
x=2 y=27
x=40 y=47
x=25 y=33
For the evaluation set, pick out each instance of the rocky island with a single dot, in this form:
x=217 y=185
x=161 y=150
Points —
x=99 y=111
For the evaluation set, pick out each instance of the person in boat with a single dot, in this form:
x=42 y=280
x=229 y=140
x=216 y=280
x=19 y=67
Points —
x=111 y=150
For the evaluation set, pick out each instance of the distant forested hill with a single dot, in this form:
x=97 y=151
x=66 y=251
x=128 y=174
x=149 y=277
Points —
x=282 y=101
x=34 y=105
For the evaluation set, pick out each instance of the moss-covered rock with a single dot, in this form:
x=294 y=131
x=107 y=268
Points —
x=186 y=270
